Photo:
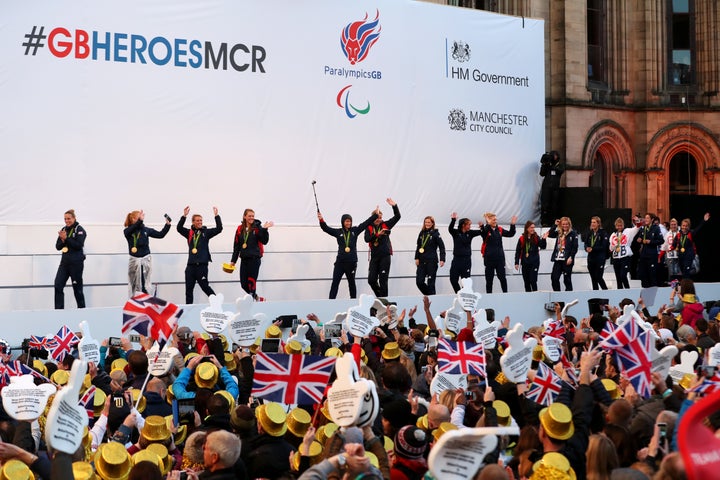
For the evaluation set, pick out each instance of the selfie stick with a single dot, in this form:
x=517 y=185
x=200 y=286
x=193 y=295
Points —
x=315 y=195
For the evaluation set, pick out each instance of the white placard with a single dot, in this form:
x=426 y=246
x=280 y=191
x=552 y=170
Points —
x=245 y=327
x=516 y=359
x=358 y=321
x=485 y=332
x=468 y=299
x=447 y=381
x=552 y=347
x=686 y=365
x=214 y=319
x=662 y=360
x=88 y=348
x=714 y=356
x=455 y=317
x=66 y=419
x=23 y=400
x=345 y=396
x=300 y=336
x=160 y=362
x=459 y=454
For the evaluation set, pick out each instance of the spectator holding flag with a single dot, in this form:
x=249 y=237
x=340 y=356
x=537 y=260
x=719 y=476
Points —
x=203 y=374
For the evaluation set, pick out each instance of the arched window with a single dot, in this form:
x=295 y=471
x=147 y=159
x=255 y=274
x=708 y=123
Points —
x=683 y=174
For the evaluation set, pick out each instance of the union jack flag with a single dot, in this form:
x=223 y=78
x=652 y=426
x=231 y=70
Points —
x=555 y=328
x=607 y=331
x=292 y=379
x=62 y=343
x=708 y=385
x=45 y=343
x=87 y=401
x=635 y=363
x=461 y=357
x=570 y=370
x=151 y=316
x=15 y=369
x=545 y=387
x=633 y=345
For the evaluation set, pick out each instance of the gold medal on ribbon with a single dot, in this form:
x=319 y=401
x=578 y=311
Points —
x=527 y=255
x=421 y=250
x=244 y=245
x=65 y=249
x=682 y=250
x=194 y=250
x=347 y=249
x=133 y=249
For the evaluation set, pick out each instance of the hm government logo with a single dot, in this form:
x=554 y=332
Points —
x=343 y=101
x=457 y=119
x=357 y=38
x=460 y=51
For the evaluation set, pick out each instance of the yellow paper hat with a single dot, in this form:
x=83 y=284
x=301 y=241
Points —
x=112 y=461
x=557 y=421
x=272 y=418
x=298 y=422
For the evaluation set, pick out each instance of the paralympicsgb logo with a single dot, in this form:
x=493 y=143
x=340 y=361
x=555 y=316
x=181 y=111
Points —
x=358 y=37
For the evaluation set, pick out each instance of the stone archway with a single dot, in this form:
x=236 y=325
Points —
x=608 y=143
x=689 y=138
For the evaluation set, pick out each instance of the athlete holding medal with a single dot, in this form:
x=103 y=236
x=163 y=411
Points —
x=71 y=239
x=138 y=238
x=346 y=259
x=198 y=240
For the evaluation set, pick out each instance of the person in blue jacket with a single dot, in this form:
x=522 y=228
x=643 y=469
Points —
x=346 y=259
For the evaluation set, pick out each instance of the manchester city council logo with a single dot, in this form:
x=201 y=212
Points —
x=457 y=119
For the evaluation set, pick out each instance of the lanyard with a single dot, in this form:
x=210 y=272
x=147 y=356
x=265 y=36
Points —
x=247 y=234
x=346 y=236
x=135 y=239
x=425 y=240
x=592 y=240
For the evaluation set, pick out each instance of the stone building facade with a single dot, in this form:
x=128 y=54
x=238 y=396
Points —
x=631 y=95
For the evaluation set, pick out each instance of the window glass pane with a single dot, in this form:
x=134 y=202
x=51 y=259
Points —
x=680 y=6
x=680 y=67
x=681 y=31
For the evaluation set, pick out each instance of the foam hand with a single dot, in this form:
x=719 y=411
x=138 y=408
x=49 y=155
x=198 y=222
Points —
x=459 y=454
x=245 y=327
x=485 y=333
x=662 y=360
x=23 y=400
x=213 y=319
x=686 y=366
x=515 y=361
x=359 y=322
x=66 y=419
x=88 y=347
x=455 y=317
x=300 y=334
x=160 y=362
x=345 y=396
x=469 y=300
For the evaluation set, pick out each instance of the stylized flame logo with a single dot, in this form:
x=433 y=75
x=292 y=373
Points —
x=358 y=37
x=344 y=103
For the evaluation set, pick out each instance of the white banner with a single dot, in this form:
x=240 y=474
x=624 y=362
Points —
x=112 y=106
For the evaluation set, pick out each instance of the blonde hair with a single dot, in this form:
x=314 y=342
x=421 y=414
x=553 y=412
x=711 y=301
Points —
x=562 y=219
x=601 y=458
x=130 y=216
x=490 y=215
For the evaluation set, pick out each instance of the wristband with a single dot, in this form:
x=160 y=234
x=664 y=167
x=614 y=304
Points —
x=666 y=393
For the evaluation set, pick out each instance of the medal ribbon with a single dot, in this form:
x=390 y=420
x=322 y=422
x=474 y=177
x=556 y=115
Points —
x=135 y=239
x=70 y=233
x=247 y=234
x=425 y=240
x=346 y=236
x=527 y=247
x=682 y=240
x=592 y=240
x=195 y=238
x=619 y=243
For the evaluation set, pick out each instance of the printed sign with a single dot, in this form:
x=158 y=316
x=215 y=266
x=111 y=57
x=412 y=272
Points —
x=485 y=332
x=358 y=321
x=469 y=300
x=345 y=396
x=459 y=454
x=213 y=319
x=23 y=400
x=66 y=419
x=552 y=348
x=447 y=381
x=245 y=327
x=160 y=362
x=515 y=361
x=88 y=348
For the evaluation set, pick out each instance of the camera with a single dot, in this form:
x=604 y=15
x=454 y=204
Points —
x=663 y=429
x=287 y=321
x=546 y=158
x=469 y=395
x=114 y=341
